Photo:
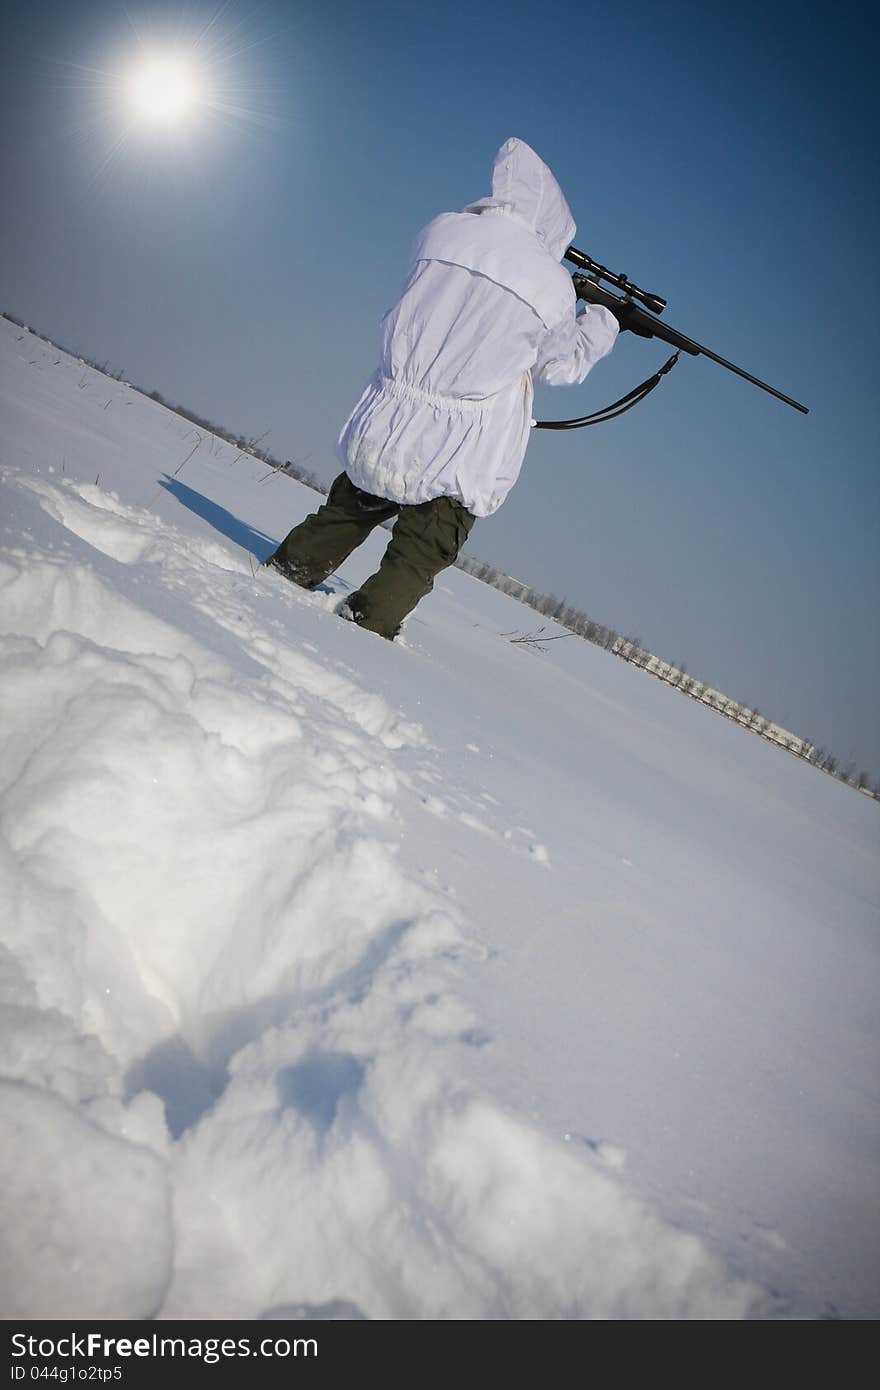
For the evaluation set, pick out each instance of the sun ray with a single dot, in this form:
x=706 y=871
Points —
x=100 y=170
x=150 y=111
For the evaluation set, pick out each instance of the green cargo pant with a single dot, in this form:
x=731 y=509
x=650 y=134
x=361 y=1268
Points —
x=425 y=540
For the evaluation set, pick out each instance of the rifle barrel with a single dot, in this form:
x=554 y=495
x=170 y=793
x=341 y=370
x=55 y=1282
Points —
x=672 y=335
x=655 y=328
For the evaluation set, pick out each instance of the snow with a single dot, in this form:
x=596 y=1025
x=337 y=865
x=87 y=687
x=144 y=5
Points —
x=434 y=979
x=62 y=1236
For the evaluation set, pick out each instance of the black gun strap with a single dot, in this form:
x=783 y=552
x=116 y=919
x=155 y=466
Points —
x=610 y=412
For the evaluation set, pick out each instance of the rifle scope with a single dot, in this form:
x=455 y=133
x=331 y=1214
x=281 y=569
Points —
x=601 y=272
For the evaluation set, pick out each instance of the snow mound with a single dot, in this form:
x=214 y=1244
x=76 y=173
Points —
x=86 y=1217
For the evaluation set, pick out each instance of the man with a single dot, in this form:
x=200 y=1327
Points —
x=439 y=434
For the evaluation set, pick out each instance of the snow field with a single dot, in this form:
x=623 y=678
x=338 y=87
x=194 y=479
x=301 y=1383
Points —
x=275 y=1039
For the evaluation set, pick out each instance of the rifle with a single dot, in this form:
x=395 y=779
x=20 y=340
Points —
x=645 y=325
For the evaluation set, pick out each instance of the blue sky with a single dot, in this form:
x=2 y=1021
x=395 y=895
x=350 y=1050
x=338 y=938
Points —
x=721 y=156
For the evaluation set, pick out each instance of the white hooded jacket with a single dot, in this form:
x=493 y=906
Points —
x=486 y=309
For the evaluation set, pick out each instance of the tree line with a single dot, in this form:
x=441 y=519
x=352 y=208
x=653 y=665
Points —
x=630 y=649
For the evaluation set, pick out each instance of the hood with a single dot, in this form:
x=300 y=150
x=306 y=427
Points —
x=525 y=189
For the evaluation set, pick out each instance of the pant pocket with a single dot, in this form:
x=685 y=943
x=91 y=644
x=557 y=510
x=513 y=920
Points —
x=461 y=522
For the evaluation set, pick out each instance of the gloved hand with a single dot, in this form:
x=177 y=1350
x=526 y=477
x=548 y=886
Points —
x=625 y=312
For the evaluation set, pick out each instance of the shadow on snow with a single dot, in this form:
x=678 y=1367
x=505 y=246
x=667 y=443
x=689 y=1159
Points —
x=256 y=542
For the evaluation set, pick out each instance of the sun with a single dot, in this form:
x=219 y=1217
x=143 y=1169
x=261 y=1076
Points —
x=163 y=89
x=166 y=96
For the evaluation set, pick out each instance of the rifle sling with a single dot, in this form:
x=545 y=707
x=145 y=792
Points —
x=610 y=412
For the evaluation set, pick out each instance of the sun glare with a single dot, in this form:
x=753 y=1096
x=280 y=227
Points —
x=164 y=95
x=164 y=89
